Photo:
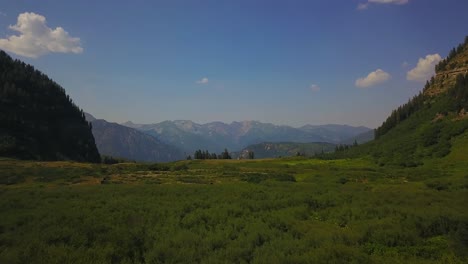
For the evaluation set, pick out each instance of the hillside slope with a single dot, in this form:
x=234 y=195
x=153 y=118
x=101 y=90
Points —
x=124 y=142
x=38 y=120
x=429 y=125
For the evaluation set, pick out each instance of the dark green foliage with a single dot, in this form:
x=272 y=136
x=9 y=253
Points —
x=225 y=154
x=293 y=210
x=199 y=154
x=180 y=167
x=38 y=120
x=459 y=93
x=337 y=212
x=260 y=177
x=159 y=167
x=113 y=160
x=13 y=178
x=438 y=184
x=202 y=155
x=400 y=114
x=344 y=147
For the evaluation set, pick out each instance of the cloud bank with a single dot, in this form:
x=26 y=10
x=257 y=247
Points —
x=363 y=6
x=425 y=68
x=372 y=79
x=35 y=38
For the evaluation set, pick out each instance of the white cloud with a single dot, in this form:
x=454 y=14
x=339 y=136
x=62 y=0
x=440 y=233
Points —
x=372 y=79
x=363 y=6
x=425 y=68
x=36 y=38
x=203 y=81
x=314 y=88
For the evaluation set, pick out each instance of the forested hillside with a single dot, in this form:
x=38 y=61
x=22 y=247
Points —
x=426 y=127
x=38 y=120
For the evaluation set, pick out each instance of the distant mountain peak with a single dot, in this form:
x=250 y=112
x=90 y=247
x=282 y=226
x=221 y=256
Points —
x=131 y=124
x=89 y=117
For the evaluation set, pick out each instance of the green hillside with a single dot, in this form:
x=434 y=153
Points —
x=427 y=127
x=38 y=120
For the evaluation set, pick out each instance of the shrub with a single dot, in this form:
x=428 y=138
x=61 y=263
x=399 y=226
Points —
x=159 y=167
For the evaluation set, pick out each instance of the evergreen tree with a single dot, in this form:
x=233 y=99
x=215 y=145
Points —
x=225 y=154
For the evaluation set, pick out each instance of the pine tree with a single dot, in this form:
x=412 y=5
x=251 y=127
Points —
x=225 y=154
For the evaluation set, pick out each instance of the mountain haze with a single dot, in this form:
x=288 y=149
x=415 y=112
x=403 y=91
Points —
x=361 y=138
x=216 y=136
x=336 y=133
x=124 y=142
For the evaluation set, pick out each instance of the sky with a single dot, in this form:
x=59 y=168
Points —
x=283 y=62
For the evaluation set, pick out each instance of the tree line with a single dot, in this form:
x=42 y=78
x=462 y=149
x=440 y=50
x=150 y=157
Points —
x=200 y=154
x=400 y=114
x=344 y=147
x=444 y=65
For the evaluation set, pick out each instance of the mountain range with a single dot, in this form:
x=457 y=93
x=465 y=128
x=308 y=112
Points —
x=216 y=136
x=120 y=141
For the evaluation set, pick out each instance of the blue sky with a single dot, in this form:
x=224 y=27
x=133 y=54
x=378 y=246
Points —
x=284 y=62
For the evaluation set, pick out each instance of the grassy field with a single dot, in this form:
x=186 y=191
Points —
x=293 y=210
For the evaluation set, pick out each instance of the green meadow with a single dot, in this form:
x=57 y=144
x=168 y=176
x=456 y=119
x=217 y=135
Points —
x=290 y=210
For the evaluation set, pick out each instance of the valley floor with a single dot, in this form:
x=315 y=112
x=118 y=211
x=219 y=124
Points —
x=262 y=211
